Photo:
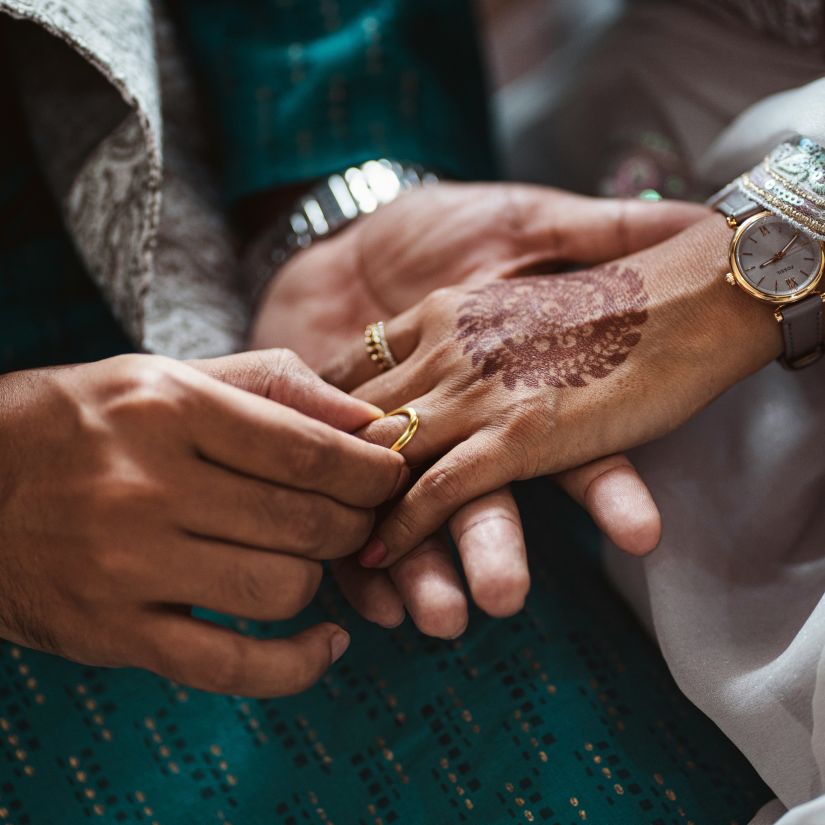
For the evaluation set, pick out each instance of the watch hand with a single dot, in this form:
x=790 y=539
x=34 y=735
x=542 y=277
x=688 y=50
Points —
x=782 y=252
x=787 y=246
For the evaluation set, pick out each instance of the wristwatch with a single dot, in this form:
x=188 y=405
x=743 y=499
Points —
x=776 y=262
x=331 y=206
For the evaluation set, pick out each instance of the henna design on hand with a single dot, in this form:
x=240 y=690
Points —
x=558 y=330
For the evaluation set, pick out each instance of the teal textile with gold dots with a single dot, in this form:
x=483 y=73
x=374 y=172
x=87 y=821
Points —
x=561 y=715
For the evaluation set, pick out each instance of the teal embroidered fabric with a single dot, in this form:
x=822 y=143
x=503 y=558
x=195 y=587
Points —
x=563 y=714
x=303 y=88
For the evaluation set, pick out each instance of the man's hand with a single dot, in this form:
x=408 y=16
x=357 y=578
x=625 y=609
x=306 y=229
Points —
x=138 y=487
x=444 y=235
x=440 y=236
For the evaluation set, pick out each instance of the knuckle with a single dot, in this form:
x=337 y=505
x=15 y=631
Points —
x=244 y=586
x=405 y=522
x=513 y=206
x=227 y=674
x=327 y=530
x=308 y=526
x=110 y=568
x=118 y=497
x=149 y=386
x=287 y=359
x=352 y=530
x=444 y=483
x=302 y=590
x=285 y=366
x=263 y=505
x=621 y=227
x=521 y=443
x=439 y=297
x=308 y=458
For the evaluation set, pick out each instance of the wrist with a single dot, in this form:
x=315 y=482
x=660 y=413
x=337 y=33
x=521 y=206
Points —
x=727 y=334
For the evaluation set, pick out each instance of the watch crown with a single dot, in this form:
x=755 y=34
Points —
x=730 y=280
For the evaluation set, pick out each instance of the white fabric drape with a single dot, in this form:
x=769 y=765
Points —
x=734 y=594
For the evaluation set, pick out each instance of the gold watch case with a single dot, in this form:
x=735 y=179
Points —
x=735 y=275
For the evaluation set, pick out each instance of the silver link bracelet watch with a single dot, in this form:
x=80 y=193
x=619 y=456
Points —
x=330 y=207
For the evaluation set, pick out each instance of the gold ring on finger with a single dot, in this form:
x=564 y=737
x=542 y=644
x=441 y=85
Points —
x=412 y=427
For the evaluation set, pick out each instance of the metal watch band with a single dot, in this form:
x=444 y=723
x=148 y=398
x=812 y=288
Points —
x=332 y=205
x=802 y=324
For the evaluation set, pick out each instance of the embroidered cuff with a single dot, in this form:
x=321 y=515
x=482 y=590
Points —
x=791 y=182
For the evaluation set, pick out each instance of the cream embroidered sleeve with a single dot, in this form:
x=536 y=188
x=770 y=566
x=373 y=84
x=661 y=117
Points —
x=141 y=207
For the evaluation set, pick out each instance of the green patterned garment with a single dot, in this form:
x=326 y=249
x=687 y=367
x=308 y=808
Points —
x=561 y=715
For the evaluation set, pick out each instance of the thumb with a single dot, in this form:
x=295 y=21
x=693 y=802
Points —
x=280 y=375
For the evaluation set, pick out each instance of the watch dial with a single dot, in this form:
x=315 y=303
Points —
x=776 y=258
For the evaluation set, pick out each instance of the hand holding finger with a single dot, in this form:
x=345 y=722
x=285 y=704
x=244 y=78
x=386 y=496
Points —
x=277 y=444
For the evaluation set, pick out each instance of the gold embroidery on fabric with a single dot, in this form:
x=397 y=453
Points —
x=805 y=194
x=782 y=207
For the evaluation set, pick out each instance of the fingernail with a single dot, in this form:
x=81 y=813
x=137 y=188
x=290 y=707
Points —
x=377 y=412
x=373 y=554
x=403 y=481
x=338 y=644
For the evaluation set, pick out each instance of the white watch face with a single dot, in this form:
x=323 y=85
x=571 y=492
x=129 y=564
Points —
x=777 y=259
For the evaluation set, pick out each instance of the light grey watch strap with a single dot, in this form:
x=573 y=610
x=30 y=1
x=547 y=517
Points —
x=802 y=322
x=332 y=205
x=803 y=332
x=733 y=203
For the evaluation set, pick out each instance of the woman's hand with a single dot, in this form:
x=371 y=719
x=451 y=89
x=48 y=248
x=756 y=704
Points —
x=135 y=488
x=441 y=236
x=536 y=375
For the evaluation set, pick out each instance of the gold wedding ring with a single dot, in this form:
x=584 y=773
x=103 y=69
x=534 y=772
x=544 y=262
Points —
x=378 y=349
x=411 y=430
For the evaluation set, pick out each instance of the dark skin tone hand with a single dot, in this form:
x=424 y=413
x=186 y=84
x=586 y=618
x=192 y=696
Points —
x=136 y=488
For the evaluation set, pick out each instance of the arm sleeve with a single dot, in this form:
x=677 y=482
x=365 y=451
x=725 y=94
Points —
x=112 y=116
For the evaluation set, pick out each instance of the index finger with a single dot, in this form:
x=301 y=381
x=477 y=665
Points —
x=256 y=437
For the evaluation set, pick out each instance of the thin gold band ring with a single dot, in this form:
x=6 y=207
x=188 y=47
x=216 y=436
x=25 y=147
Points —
x=412 y=427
